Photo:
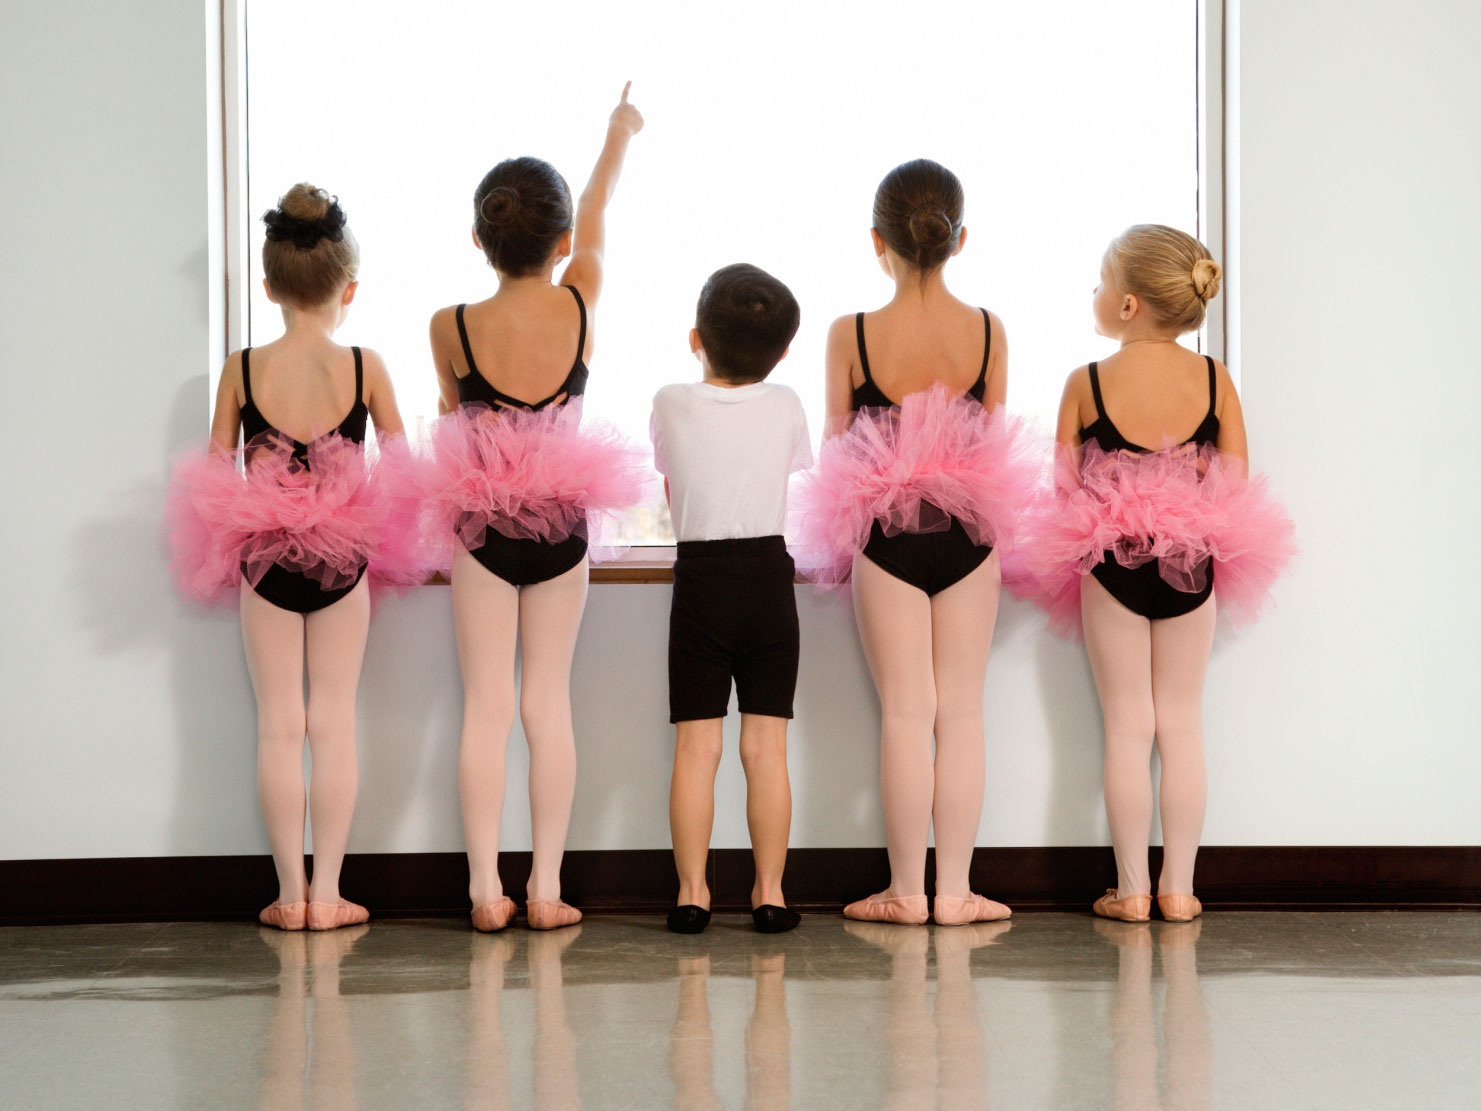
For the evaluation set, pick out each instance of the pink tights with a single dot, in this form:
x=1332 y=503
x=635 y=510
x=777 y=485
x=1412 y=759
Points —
x=278 y=643
x=1149 y=675
x=928 y=656
x=488 y=614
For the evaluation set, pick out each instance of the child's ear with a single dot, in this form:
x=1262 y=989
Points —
x=476 y=243
x=878 y=242
x=784 y=353
x=564 y=247
x=1129 y=306
x=961 y=241
x=269 y=291
x=349 y=294
x=694 y=346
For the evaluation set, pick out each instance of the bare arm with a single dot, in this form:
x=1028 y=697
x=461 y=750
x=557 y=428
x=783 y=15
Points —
x=1231 y=418
x=996 y=387
x=1067 y=428
x=226 y=420
x=838 y=361
x=380 y=395
x=584 y=271
x=444 y=342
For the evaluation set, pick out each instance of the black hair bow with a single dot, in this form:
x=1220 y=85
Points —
x=306 y=234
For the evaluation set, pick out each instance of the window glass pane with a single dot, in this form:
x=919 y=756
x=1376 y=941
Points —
x=769 y=126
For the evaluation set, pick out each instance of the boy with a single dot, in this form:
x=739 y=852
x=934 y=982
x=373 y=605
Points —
x=726 y=446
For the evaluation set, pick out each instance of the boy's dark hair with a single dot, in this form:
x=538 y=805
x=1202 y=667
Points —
x=746 y=320
x=521 y=209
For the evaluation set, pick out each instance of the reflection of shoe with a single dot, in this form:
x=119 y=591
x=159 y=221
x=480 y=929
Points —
x=951 y=911
x=902 y=910
x=897 y=943
x=1125 y=935
x=974 y=935
x=494 y=916
x=1133 y=908
x=331 y=916
x=688 y=919
x=1180 y=935
x=285 y=916
x=775 y=920
x=550 y=914
x=1179 y=908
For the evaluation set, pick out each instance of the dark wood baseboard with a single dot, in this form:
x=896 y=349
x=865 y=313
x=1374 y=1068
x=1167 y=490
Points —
x=173 y=888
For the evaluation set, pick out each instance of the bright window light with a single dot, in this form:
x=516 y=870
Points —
x=768 y=127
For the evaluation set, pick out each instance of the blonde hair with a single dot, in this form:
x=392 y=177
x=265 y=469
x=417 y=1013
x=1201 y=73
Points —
x=1172 y=273
x=310 y=254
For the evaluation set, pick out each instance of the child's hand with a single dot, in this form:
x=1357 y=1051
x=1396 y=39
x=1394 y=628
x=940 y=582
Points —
x=625 y=115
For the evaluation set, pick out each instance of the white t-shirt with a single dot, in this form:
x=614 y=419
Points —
x=727 y=452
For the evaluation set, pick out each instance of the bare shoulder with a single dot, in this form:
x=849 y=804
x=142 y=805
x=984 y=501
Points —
x=231 y=375
x=1078 y=382
x=374 y=364
x=445 y=320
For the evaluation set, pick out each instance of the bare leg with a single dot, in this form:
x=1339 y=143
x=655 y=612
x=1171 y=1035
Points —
x=486 y=619
x=962 y=620
x=1180 y=652
x=273 y=640
x=692 y=1041
x=1119 y=643
x=549 y=618
x=763 y=753
x=336 y=650
x=769 y=1037
x=692 y=805
x=895 y=628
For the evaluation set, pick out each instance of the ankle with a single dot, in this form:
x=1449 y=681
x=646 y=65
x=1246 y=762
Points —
x=323 y=894
x=694 y=895
x=767 y=895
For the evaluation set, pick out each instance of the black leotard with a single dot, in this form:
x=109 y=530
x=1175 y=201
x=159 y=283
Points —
x=521 y=562
x=474 y=387
x=284 y=588
x=929 y=561
x=1142 y=589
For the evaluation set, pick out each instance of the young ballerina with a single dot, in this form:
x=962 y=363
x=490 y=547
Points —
x=510 y=479
x=920 y=479
x=1152 y=531
x=290 y=538
x=726 y=446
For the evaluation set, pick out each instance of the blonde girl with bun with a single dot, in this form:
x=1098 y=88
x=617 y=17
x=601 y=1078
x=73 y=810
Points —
x=1153 y=529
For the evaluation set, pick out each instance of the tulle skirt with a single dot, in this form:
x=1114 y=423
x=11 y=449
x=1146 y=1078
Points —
x=233 y=515
x=541 y=475
x=1193 y=511
x=936 y=457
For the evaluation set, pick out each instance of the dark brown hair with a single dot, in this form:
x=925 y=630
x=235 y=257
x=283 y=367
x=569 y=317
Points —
x=918 y=213
x=310 y=254
x=746 y=320
x=521 y=209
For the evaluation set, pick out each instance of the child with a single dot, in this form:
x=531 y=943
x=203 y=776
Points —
x=302 y=587
x=918 y=485
x=1153 y=530
x=726 y=446
x=509 y=482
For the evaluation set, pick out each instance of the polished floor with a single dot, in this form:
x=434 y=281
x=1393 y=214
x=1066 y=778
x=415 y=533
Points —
x=1237 y=1010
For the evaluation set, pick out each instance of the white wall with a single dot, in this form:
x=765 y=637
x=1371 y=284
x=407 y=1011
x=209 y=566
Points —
x=1347 y=717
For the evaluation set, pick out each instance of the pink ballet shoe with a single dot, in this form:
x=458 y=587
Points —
x=492 y=917
x=285 y=916
x=1133 y=908
x=902 y=910
x=949 y=910
x=1179 y=908
x=331 y=916
x=550 y=914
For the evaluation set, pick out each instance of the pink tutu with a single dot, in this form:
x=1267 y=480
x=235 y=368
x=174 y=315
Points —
x=326 y=521
x=1188 y=509
x=528 y=475
x=913 y=468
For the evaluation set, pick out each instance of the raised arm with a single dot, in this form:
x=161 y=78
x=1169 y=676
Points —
x=838 y=362
x=226 y=420
x=584 y=271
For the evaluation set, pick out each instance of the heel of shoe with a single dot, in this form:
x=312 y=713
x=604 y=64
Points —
x=1179 y=908
x=550 y=914
x=1132 y=908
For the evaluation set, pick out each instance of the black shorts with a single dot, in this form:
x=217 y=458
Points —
x=928 y=561
x=1145 y=592
x=734 y=617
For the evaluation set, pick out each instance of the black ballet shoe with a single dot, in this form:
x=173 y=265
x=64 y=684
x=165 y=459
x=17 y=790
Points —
x=688 y=919
x=775 y=920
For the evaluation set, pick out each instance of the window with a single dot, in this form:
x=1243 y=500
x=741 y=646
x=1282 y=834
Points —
x=768 y=128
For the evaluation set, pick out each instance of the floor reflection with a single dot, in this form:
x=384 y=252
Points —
x=768 y=1038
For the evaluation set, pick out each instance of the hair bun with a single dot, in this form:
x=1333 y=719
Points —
x=930 y=226
x=1206 y=277
x=305 y=215
x=500 y=206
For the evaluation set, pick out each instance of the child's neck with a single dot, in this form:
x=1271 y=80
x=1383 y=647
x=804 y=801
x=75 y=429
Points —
x=909 y=287
x=725 y=383
x=310 y=324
